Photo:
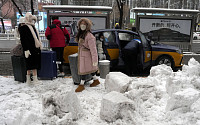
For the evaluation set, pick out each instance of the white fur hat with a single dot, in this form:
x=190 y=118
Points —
x=34 y=18
x=22 y=20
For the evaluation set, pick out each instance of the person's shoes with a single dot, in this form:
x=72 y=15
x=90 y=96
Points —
x=95 y=83
x=62 y=74
x=35 y=80
x=80 y=88
x=28 y=79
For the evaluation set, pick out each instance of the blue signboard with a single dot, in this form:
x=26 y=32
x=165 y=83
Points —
x=41 y=25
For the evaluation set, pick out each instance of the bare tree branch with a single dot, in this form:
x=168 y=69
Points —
x=9 y=10
x=3 y=2
x=17 y=7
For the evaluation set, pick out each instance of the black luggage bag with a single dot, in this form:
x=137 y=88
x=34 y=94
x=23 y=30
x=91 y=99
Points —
x=19 y=68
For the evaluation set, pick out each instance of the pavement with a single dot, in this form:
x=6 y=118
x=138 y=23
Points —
x=6 y=64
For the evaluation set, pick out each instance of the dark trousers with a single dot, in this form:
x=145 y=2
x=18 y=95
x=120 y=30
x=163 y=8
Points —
x=130 y=61
x=59 y=54
x=83 y=77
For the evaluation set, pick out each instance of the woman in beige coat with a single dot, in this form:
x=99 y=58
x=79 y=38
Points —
x=87 y=53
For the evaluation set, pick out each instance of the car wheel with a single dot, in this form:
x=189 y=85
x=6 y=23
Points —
x=165 y=60
x=195 y=38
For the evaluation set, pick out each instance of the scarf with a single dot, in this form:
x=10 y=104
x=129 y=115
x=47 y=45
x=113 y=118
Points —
x=38 y=43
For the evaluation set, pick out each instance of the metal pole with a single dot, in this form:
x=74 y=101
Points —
x=32 y=10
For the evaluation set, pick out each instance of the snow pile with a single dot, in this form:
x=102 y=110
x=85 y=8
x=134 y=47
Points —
x=117 y=81
x=192 y=69
x=163 y=98
x=19 y=105
x=161 y=71
x=183 y=98
x=62 y=106
x=115 y=105
x=183 y=89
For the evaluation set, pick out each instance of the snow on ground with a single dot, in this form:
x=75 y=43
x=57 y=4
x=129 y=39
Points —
x=163 y=98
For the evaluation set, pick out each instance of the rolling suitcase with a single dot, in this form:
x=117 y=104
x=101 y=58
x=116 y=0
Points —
x=48 y=65
x=19 y=68
x=73 y=60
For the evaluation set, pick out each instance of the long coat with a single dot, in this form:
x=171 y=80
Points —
x=87 y=55
x=28 y=43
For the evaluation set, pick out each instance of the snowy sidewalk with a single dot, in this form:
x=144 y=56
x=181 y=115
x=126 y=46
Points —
x=156 y=99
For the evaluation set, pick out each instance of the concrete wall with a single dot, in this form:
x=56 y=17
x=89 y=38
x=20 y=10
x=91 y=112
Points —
x=187 y=57
x=6 y=45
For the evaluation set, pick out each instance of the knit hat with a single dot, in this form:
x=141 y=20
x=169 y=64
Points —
x=21 y=20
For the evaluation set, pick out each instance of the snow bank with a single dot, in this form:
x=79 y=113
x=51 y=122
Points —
x=192 y=69
x=18 y=105
x=183 y=89
x=161 y=71
x=177 y=83
x=62 y=103
x=117 y=81
x=162 y=98
x=115 y=105
x=184 y=98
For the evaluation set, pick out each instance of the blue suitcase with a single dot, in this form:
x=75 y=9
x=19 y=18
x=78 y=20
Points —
x=48 y=65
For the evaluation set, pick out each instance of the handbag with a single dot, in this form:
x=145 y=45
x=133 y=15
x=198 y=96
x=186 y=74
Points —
x=17 y=50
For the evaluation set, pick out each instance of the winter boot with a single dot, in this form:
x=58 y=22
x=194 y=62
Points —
x=28 y=79
x=95 y=83
x=80 y=88
x=35 y=80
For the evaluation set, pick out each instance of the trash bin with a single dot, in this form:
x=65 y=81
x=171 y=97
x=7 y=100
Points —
x=73 y=63
x=104 y=68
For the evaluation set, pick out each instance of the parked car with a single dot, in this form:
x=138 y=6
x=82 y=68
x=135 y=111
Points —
x=150 y=54
x=196 y=35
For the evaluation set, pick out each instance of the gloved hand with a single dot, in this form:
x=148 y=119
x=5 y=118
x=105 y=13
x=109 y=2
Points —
x=95 y=64
x=27 y=53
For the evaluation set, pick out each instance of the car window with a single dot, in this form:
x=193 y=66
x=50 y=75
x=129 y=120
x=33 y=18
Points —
x=125 y=36
x=109 y=37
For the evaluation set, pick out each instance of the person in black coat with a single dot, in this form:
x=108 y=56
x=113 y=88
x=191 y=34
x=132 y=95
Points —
x=117 y=26
x=129 y=55
x=32 y=45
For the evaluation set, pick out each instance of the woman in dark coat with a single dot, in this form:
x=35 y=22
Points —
x=32 y=45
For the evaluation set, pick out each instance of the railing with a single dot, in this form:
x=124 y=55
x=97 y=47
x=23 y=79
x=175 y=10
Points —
x=10 y=37
x=7 y=36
